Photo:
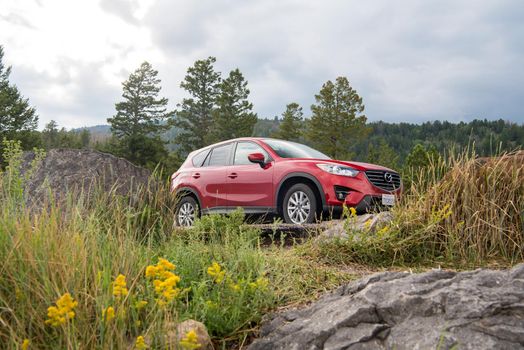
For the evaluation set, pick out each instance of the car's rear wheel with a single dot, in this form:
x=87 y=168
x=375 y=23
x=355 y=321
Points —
x=299 y=206
x=187 y=212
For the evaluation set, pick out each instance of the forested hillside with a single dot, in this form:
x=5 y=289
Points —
x=487 y=136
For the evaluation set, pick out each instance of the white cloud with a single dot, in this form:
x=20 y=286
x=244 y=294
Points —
x=410 y=60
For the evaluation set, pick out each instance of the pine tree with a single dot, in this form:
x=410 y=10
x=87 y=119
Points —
x=16 y=116
x=337 y=122
x=290 y=127
x=85 y=138
x=140 y=118
x=421 y=156
x=233 y=116
x=50 y=136
x=194 y=114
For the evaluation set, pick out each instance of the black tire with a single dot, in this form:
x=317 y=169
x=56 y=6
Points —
x=299 y=205
x=186 y=212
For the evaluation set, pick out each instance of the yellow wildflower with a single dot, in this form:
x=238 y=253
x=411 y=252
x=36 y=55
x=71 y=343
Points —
x=235 y=287
x=161 y=270
x=190 y=341
x=140 y=304
x=383 y=231
x=216 y=272
x=165 y=281
x=260 y=283
x=120 y=286
x=367 y=224
x=63 y=311
x=165 y=264
x=210 y=304
x=352 y=212
x=25 y=344
x=140 y=343
x=151 y=271
x=108 y=313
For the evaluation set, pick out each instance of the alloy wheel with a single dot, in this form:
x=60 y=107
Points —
x=299 y=207
x=186 y=214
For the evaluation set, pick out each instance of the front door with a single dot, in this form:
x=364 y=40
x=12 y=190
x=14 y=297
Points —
x=248 y=184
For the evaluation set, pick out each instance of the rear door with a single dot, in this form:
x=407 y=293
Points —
x=249 y=185
x=211 y=178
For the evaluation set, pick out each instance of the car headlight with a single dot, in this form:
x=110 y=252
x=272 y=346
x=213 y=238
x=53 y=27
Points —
x=338 y=170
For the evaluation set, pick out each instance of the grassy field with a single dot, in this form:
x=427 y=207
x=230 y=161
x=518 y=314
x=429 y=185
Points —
x=101 y=273
x=111 y=271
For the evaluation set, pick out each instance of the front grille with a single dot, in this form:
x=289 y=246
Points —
x=378 y=178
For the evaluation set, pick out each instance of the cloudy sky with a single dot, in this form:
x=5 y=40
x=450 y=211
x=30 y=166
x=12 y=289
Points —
x=411 y=61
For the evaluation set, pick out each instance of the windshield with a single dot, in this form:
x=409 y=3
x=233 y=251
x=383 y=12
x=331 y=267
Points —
x=288 y=149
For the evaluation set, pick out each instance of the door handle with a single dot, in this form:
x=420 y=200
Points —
x=232 y=175
x=196 y=175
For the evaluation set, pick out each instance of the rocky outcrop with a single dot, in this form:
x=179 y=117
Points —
x=355 y=226
x=482 y=309
x=65 y=171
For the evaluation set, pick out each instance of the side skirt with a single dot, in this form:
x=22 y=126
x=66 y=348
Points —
x=247 y=210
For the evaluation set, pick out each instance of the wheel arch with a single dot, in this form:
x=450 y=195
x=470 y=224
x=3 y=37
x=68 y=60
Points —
x=299 y=177
x=188 y=191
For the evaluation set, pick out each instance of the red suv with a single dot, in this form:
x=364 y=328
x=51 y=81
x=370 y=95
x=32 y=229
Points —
x=264 y=175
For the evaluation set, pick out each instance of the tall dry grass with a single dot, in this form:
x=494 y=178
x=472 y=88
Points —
x=459 y=211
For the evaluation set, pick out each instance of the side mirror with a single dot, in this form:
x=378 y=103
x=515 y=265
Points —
x=257 y=158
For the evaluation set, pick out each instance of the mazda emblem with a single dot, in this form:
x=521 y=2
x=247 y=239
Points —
x=388 y=177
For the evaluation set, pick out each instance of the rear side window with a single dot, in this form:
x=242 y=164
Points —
x=220 y=155
x=244 y=149
x=199 y=158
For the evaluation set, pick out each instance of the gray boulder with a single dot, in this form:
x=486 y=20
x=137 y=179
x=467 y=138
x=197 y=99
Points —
x=481 y=309
x=66 y=171
x=356 y=226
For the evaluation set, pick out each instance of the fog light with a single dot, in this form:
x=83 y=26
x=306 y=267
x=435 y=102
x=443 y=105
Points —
x=341 y=192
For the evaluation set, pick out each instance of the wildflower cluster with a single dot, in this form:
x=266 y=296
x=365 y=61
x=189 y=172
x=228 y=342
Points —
x=164 y=280
x=215 y=271
x=367 y=224
x=260 y=283
x=140 y=304
x=108 y=314
x=438 y=215
x=120 y=286
x=384 y=230
x=190 y=341
x=63 y=311
x=140 y=343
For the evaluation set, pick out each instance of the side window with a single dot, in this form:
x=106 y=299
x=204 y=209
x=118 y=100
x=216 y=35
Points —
x=244 y=149
x=220 y=155
x=199 y=158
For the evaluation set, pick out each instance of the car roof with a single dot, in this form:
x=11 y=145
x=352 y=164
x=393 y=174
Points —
x=231 y=140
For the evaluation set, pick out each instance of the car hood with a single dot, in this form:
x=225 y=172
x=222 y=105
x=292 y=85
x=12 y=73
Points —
x=355 y=165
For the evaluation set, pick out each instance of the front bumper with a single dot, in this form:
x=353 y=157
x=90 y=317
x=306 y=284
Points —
x=357 y=192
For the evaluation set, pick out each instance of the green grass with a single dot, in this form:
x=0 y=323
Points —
x=81 y=245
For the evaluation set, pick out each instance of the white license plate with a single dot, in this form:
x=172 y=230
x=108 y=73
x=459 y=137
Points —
x=388 y=199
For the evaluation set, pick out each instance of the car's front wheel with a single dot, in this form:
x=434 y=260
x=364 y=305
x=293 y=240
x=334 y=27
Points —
x=299 y=206
x=187 y=211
